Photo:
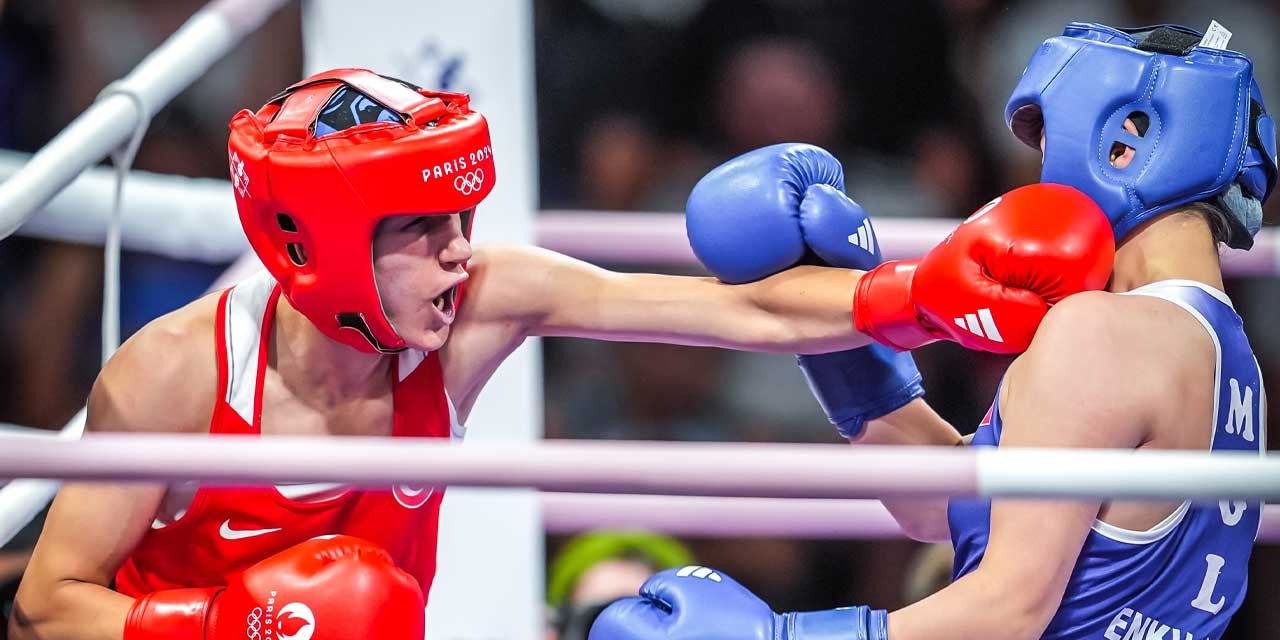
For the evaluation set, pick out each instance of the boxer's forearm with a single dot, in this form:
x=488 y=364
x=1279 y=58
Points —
x=975 y=607
x=915 y=424
x=802 y=310
x=69 y=610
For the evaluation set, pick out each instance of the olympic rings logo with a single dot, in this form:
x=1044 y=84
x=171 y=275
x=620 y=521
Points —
x=469 y=183
x=253 y=630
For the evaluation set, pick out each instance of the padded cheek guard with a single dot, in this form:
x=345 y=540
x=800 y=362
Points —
x=1203 y=127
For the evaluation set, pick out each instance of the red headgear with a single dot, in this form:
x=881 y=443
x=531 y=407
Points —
x=322 y=162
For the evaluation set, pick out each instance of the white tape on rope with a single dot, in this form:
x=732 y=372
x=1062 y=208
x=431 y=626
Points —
x=1126 y=474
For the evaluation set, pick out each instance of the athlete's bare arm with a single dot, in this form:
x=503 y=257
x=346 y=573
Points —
x=800 y=310
x=1084 y=350
x=162 y=380
x=519 y=291
x=915 y=424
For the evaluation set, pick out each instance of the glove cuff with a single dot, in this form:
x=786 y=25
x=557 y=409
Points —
x=172 y=614
x=861 y=384
x=882 y=306
x=845 y=623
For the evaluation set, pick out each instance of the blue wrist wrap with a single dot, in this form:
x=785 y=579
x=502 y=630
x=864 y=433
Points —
x=861 y=384
x=845 y=623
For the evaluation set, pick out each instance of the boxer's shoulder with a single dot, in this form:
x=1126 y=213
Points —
x=511 y=282
x=163 y=378
x=1107 y=361
x=1139 y=331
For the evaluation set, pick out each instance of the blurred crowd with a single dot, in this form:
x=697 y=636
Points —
x=636 y=99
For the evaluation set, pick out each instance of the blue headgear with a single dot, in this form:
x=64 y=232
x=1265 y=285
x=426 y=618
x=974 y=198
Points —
x=1204 y=133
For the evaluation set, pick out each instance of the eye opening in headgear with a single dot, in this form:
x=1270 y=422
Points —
x=348 y=108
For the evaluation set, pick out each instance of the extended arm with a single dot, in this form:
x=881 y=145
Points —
x=805 y=309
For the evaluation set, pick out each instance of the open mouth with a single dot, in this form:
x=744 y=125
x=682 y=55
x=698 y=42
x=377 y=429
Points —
x=445 y=302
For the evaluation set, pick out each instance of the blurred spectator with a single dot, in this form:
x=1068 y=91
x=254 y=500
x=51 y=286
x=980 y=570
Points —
x=635 y=391
x=929 y=572
x=594 y=569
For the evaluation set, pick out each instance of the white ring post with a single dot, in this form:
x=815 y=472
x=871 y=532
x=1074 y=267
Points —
x=183 y=58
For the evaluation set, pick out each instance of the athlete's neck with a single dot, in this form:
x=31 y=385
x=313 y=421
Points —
x=1174 y=246
x=318 y=370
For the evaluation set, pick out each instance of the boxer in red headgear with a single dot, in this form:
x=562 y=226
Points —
x=357 y=192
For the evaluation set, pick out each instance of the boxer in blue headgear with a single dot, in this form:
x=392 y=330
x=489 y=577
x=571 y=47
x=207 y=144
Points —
x=1198 y=127
x=1168 y=134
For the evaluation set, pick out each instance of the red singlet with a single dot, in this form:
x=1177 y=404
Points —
x=225 y=530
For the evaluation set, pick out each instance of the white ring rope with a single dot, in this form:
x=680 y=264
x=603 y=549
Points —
x=195 y=219
x=710 y=469
x=696 y=516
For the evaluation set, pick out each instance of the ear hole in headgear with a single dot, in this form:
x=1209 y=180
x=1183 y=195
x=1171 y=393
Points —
x=286 y=223
x=1118 y=149
x=297 y=253
x=1141 y=123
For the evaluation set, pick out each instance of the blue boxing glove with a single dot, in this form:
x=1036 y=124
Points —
x=697 y=603
x=763 y=211
x=766 y=211
x=856 y=385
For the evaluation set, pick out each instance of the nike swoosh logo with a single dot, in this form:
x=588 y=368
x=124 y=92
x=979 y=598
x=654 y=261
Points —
x=239 y=534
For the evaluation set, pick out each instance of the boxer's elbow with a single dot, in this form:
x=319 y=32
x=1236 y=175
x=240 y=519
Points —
x=921 y=520
x=1021 y=610
x=53 y=609
x=35 y=612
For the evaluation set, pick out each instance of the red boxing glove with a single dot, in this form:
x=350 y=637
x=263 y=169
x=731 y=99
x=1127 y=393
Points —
x=332 y=588
x=990 y=283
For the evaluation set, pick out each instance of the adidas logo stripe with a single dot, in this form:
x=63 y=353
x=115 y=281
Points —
x=698 y=572
x=981 y=325
x=865 y=238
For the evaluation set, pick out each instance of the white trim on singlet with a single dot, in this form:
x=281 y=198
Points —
x=1171 y=522
x=246 y=306
x=457 y=430
x=1131 y=536
x=313 y=492
x=409 y=361
x=1150 y=288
